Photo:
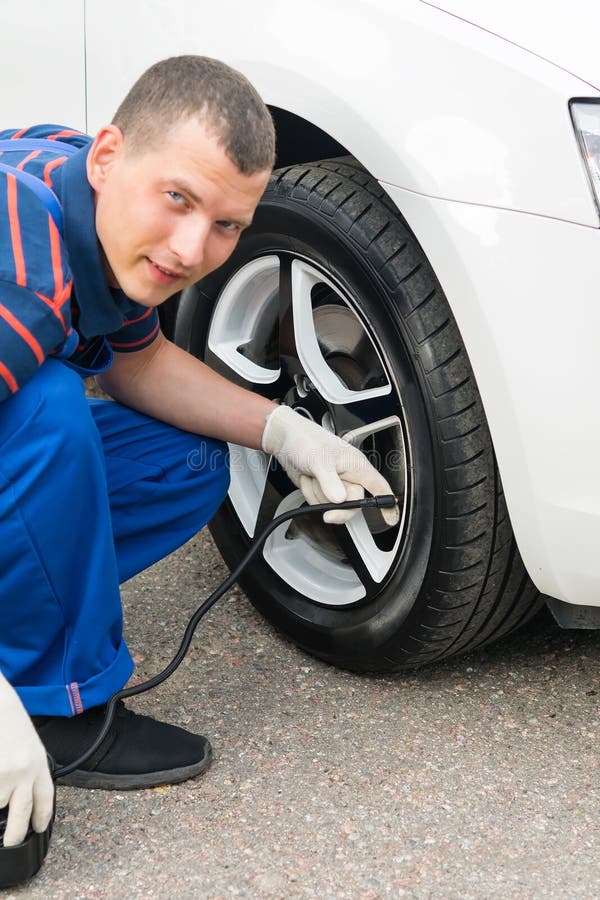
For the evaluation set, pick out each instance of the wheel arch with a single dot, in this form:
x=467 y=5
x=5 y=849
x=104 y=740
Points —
x=301 y=141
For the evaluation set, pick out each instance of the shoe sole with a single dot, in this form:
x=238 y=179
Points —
x=105 y=781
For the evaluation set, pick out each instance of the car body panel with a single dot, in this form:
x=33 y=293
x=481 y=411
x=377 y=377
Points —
x=42 y=64
x=422 y=99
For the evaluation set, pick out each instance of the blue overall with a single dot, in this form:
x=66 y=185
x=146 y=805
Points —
x=91 y=493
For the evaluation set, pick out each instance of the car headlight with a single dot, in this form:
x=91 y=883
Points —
x=586 y=121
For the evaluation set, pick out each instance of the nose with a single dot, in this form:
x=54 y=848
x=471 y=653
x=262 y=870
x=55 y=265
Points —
x=188 y=241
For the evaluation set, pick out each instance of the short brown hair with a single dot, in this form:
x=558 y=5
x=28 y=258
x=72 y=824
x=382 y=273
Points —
x=184 y=87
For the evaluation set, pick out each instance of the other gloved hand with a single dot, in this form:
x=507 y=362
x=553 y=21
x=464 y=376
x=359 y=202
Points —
x=25 y=781
x=324 y=466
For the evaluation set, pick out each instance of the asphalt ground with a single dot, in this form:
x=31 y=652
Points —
x=476 y=778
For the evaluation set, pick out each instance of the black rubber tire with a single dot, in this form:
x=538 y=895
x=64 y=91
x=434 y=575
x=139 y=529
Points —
x=459 y=581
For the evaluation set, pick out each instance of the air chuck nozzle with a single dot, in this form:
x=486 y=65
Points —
x=386 y=501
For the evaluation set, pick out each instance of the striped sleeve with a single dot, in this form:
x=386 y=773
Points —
x=30 y=329
x=140 y=328
x=35 y=285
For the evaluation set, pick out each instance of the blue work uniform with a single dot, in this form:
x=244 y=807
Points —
x=91 y=492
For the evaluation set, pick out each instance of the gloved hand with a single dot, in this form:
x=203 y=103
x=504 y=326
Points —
x=324 y=466
x=25 y=782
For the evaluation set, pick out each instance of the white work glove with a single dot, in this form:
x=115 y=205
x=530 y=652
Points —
x=326 y=468
x=25 y=781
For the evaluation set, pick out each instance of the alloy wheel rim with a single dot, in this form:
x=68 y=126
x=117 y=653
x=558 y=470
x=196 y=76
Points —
x=284 y=327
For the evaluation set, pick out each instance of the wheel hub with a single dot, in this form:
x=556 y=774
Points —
x=309 y=404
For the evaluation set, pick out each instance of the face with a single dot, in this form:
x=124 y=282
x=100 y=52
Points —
x=167 y=217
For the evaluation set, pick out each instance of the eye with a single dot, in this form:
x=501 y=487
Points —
x=231 y=227
x=176 y=196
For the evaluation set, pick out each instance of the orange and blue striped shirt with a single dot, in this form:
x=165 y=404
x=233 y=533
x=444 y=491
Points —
x=54 y=298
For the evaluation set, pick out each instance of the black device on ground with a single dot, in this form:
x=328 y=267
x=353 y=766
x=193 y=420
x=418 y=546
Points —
x=19 y=863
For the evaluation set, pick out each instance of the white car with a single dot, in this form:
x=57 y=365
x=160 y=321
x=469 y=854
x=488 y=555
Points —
x=423 y=277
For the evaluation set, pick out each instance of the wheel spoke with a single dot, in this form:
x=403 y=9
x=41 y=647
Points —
x=358 y=435
x=370 y=562
x=257 y=485
x=353 y=553
x=305 y=566
x=243 y=317
x=356 y=540
x=248 y=473
x=329 y=384
x=384 y=445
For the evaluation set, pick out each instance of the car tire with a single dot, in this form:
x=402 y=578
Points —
x=330 y=305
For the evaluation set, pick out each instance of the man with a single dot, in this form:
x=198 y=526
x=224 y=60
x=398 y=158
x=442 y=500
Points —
x=93 y=492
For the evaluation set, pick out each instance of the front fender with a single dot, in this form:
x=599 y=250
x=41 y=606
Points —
x=523 y=290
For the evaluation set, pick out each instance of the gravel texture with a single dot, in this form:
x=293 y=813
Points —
x=476 y=778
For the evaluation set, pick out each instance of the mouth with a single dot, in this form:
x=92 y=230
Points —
x=163 y=275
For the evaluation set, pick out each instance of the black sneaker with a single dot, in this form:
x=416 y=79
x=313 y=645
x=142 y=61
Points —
x=137 y=752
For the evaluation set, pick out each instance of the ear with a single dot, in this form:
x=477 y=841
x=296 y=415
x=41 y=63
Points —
x=106 y=149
